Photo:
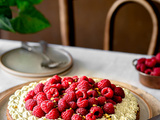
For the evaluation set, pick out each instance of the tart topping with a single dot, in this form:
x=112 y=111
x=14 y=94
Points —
x=66 y=115
x=76 y=117
x=108 y=108
x=82 y=111
x=53 y=114
x=38 y=112
x=47 y=106
x=30 y=104
x=73 y=98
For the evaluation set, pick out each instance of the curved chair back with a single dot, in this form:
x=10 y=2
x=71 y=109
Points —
x=108 y=42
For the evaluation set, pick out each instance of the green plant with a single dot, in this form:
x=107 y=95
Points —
x=28 y=19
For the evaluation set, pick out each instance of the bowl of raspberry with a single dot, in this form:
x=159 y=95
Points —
x=149 y=71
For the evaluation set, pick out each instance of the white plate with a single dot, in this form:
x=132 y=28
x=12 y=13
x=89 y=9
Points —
x=23 y=63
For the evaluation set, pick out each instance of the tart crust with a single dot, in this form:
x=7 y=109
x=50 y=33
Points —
x=9 y=117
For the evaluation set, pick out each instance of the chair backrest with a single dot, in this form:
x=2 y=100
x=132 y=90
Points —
x=66 y=22
x=108 y=42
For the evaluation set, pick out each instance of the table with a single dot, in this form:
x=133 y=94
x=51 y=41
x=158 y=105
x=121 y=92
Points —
x=90 y=62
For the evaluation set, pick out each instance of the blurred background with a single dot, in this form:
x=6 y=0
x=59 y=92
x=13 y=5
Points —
x=132 y=28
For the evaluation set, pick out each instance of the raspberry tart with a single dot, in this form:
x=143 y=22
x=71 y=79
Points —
x=72 y=98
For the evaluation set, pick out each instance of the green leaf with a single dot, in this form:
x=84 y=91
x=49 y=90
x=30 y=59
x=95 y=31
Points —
x=4 y=3
x=32 y=2
x=5 y=24
x=30 y=21
x=24 y=5
x=12 y=2
x=35 y=1
x=27 y=24
x=15 y=2
x=6 y=11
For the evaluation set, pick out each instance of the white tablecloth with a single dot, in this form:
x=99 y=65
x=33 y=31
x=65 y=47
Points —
x=90 y=62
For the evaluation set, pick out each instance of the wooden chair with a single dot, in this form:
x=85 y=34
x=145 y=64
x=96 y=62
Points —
x=108 y=42
x=66 y=22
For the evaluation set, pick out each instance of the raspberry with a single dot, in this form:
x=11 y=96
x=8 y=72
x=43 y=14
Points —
x=76 y=117
x=117 y=99
x=62 y=105
x=158 y=58
x=38 y=88
x=81 y=102
x=151 y=62
x=118 y=91
x=58 y=86
x=83 y=78
x=81 y=93
x=38 y=112
x=57 y=78
x=51 y=81
x=107 y=92
x=141 y=61
x=97 y=111
x=30 y=104
x=108 y=108
x=28 y=96
x=104 y=83
x=53 y=114
x=90 y=116
x=71 y=96
x=40 y=93
x=41 y=98
x=91 y=81
x=82 y=111
x=113 y=86
x=32 y=93
x=47 y=105
x=73 y=105
x=47 y=87
x=66 y=82
x=141 y=67
x=83 y=85
x=92 y=101
x=96 y=85
x=52 y=92
x=148 y=71
x=156 y=71
x=101 y=100
x=75 y=78
x=66 y=78
x=111 y=101
x=72 y=87
x=66 y=115
x=92 y=93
